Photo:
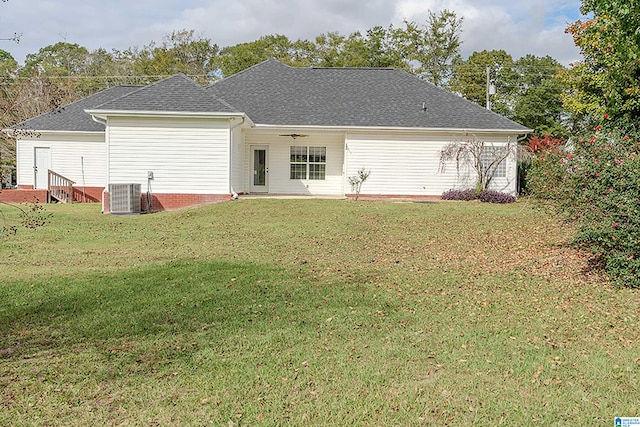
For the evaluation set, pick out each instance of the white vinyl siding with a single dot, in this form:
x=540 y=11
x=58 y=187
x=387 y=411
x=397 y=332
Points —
x=409 y=164
x=238 y=161
x=69 y=153
x=186 y=155
x=280 y=181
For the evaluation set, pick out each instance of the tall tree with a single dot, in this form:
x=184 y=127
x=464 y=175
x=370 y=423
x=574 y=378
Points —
x=180 y=52
x=536 y=96
x=185 y=52
x=378 y=47
x=335 y=50
x=233 y=59
x=608 y=79
x=435 y=47
x=470 y=78
x=384 y=48
x=526 y=90
x=428 y=50
x=61 y=59
x=56 y=68
x=8 y=67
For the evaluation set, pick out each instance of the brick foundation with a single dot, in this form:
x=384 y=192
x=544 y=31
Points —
x=23 y=196
x=26 y=193
x=169 y=202
x=87 y=194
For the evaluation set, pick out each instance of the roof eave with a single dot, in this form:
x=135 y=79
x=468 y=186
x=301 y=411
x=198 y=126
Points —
x=398 y=129
x=103 y=114
x=13 y=132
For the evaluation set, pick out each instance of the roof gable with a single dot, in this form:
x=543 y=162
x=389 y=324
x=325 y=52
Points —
x=177 y=93
x=272 y=93
x=72 y=117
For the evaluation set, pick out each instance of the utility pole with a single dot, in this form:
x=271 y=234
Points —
x=488 y=88
x=491 y=89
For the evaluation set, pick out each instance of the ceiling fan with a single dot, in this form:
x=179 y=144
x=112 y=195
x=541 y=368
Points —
x=295 y=135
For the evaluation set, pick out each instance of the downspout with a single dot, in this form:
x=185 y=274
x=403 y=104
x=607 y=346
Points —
x=106 y=153
x=345 y=164
x=99 y=120
x=518 y=140
x=234 y=195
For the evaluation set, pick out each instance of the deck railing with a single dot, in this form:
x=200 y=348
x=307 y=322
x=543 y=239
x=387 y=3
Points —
x=60 y=188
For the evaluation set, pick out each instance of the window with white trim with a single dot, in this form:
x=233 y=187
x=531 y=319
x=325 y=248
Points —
x=307 y=162
x=490 y=158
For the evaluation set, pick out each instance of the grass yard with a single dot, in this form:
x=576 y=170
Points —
x=311 y=312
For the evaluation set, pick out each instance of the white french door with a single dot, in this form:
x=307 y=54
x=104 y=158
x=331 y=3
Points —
x=259 y=169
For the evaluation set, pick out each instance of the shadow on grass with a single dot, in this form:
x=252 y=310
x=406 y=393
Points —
x=163 y=300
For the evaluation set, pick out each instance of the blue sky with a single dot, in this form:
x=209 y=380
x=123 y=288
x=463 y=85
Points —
x=517 y=26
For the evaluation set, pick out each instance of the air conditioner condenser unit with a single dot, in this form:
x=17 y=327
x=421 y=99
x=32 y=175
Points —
x=124 y=199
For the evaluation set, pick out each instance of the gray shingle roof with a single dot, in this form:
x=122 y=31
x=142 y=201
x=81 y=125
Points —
x=272 y=93
x=72 y=117
x=177 y=93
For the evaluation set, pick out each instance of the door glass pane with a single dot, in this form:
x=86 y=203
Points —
x=259 y=167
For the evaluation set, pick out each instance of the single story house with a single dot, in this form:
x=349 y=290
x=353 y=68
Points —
x=270 y=129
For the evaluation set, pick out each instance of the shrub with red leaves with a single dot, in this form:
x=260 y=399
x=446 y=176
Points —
x=546 y=143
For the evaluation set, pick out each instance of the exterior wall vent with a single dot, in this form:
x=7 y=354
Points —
x=124 y=199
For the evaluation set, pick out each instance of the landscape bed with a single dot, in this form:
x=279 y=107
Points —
x=314 y=312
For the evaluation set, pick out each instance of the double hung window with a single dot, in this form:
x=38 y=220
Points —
x=307 y=162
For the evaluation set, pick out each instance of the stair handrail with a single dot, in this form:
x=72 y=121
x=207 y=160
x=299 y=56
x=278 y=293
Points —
x=60 y=187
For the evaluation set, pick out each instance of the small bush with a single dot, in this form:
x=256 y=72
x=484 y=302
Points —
x=466 y=195
x=491 y=196
x=357 y=181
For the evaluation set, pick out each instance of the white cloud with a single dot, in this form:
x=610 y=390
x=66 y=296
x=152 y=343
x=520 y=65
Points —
x=517 y=27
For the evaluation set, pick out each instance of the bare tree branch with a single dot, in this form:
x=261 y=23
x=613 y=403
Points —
x=483 y=157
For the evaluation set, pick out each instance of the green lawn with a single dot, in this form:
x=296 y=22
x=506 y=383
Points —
x=311 y=312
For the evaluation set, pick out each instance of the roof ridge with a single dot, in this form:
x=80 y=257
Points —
x=246 y=70
x=174 y=93
x=224 y=102
x=141 y=88
x=206 y=92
